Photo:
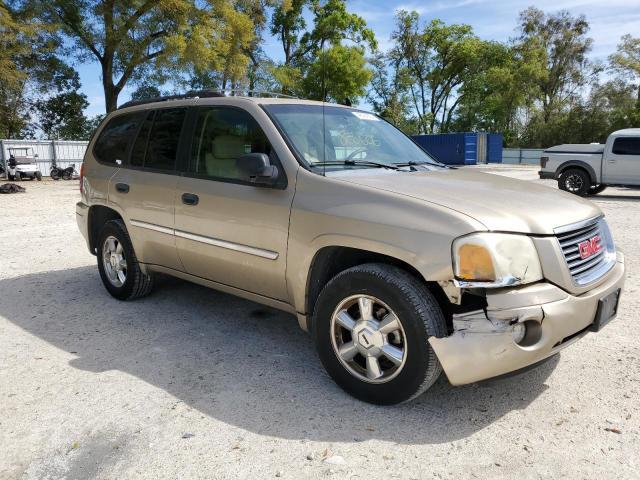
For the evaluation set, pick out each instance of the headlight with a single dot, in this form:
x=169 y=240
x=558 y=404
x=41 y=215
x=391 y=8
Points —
x=493 y=260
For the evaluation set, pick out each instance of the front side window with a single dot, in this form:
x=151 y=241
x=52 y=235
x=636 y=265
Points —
x=348 y=135
x=222 y=135
x=626 y=146
x=116 y=137
x=162 y=146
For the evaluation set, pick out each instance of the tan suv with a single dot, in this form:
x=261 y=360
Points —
x=399 y=266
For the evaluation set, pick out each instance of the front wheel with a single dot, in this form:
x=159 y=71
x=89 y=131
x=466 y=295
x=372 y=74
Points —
x=371 y=327
x=575 y=181
x=39 y=176
x=118 y=264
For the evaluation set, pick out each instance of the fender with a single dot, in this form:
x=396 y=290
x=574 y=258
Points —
x=580 y=164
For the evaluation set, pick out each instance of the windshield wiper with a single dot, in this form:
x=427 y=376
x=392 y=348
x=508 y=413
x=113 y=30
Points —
x=363 y=163
x=413 y=163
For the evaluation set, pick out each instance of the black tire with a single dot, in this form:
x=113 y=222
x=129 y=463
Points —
x=576 y=181
x=54 y=174
x=419 y=314
x=596 y=189
x=39 y=176
x=136 y=284
x=66 y=176
x=17 y=177
x=11 y=178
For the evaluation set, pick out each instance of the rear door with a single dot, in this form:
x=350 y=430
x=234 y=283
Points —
x=622 y=162
x=227 y=229
x=144 y=188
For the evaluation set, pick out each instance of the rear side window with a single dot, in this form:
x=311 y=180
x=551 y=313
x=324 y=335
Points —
x=626 y=146
x=116 y=137
x=162 y=146
x=139 y=149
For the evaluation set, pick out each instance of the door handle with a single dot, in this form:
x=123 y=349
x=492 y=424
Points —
x=190 y=199
x=122 y=187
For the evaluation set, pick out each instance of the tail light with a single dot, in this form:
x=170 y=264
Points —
x=543 y=161
x=82 y=177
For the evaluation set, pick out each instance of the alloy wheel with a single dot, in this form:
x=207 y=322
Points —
x=368 y=339
x=114 y=261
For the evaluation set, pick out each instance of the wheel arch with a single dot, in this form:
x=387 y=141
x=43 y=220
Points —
x=98 y=215
x=578 y=164
x=330 y=260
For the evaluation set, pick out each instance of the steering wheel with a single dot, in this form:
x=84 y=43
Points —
x=355 y=152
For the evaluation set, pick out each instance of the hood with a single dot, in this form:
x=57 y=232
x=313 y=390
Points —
x=500 y=203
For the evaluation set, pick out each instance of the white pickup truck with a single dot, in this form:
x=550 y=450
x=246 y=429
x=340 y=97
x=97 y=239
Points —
x=589 y=169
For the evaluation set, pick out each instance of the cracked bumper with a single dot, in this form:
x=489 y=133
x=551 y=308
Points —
x=482 y=344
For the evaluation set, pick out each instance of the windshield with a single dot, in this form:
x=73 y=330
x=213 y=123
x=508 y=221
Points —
x=353 y=136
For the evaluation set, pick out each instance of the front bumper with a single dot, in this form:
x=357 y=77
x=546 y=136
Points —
x=482 y=344
x=547 y=175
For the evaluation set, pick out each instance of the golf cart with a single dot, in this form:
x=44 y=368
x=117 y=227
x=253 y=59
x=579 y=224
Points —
x=22 y=164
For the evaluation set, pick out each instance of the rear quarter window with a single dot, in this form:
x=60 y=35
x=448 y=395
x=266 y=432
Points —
x=116 y=137
x=626 y=146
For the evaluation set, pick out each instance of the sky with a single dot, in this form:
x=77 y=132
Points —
x=490 y=19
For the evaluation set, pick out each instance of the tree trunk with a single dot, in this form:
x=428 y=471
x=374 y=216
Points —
x=111 y=92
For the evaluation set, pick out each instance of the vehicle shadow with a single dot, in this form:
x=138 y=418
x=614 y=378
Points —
x=239 y=362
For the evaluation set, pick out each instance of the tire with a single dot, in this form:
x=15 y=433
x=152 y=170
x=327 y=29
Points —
x=11 y=178
x=419 y=315
x=135 y=283
x=39 y=176
x=54 y=174
x=17 y=177
x=596 y=189
x=66 y=176
x=576 y=181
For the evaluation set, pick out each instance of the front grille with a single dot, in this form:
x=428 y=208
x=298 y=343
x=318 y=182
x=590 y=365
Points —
x=596 y=264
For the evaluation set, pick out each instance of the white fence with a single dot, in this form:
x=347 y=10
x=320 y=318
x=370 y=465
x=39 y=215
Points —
x=524 y=156
x=65 y=152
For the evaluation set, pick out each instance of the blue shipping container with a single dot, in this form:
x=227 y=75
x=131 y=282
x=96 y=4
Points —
x=463 y=148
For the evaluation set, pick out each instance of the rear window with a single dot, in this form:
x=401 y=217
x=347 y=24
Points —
x=162 y=147
x=115 y=138
x=626 y=146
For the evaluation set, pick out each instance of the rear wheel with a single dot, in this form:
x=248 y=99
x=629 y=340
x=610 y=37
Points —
x=576 y=181
x=371 y=327
x=39 y=176
x=118 y=264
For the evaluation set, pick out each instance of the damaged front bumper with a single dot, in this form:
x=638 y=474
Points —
x=483 y=346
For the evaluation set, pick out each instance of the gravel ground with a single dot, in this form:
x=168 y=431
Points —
x=191 y=383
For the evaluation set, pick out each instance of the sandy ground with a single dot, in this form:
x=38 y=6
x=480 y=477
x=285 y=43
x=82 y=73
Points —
x=191 y=383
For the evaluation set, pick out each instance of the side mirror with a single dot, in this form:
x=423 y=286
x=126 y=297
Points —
x=257 y=168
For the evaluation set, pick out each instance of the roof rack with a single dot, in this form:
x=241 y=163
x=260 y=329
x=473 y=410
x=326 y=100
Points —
x=203 y=94
x=182 y=96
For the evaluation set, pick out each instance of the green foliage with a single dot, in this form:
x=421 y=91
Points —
x=305 y=70
x=340 y=72
x=434 y=60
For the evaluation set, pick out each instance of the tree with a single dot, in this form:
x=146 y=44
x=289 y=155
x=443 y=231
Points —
x=388 y=93
x=626 y=60
x=436 y=59
x=15 y=40
x=131 y=39
x=562 y=42
x=307 y=50
x=337 y=74
x=495 y=96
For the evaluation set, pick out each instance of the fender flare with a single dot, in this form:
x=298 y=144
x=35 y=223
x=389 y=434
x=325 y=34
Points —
x=579 y=164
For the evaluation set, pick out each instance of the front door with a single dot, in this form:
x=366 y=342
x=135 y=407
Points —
x=227 y=229
x=622 y=163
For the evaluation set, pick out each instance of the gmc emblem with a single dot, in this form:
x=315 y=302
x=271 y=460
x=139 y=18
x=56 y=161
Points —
x=590 y=247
